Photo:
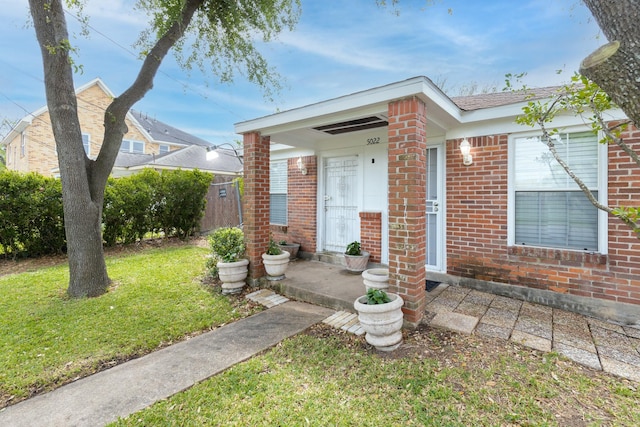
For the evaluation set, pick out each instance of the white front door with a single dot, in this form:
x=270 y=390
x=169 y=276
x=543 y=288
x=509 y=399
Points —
x=435 y=198
x=341 y=221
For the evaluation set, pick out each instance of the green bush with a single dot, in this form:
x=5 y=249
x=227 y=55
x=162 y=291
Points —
x=181 y=201
x=171 y=202
x=32 y=220
x=227 y=244
x=31 y=215
x=127 y=214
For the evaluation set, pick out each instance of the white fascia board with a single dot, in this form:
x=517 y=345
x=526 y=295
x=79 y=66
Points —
x=496 y=125
x=17 y=130
x=371 y=100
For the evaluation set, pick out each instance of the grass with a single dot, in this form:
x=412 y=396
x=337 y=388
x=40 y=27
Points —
x=47 y=339
x=332 y=379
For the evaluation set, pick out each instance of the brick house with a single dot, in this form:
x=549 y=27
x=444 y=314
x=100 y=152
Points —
x=30 y=146
x=384 y=166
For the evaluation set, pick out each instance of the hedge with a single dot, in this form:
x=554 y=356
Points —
x=31 y=214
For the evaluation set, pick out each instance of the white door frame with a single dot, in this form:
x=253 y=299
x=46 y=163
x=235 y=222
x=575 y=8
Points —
x=441 y=252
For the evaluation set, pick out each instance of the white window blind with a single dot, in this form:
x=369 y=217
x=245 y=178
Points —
x=550 y=209
x=278 y=192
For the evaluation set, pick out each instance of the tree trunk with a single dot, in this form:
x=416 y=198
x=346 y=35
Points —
x=82 y=208
x=84 y=180
x=615 y=67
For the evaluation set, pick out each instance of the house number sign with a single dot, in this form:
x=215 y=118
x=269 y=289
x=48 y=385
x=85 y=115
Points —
x=373 y=141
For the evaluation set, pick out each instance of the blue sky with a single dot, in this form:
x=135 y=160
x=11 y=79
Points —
x=338 y=47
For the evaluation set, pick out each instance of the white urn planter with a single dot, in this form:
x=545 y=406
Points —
x=357 y=263
x=381 y=322
x=376 y=278
x=233 y=275
x=276 y=265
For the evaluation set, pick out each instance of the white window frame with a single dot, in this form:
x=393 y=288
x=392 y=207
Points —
x=165 y=147
x=603 y=241
x=23 y=144
x=131 y=143
x=285 y=166
x=87 y=147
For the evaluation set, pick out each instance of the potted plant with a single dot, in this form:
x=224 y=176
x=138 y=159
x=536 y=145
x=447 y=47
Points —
x=292 y=248
x=355 y=258
x=275 y=261
x=380 y=315
x=227 y=244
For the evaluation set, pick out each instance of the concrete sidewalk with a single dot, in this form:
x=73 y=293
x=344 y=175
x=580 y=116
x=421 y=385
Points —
x=134 y=385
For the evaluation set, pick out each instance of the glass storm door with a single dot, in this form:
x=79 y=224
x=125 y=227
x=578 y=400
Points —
x=434 y=210
x=341 y=222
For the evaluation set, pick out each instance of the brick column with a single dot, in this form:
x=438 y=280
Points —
x=256 y=202
x=407 y=192
x=371 y=234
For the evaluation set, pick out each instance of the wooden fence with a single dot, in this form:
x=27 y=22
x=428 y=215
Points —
x=224 y=205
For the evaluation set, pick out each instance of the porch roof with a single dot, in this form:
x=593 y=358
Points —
x=299 y=126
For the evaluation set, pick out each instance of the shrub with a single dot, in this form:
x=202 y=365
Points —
x=181 y=201
x=31 y=215
x=227 y=244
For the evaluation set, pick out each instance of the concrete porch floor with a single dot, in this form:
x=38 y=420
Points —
x=591 y=342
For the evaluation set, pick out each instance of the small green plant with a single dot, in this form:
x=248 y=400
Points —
x=282 y=242
x=377 y=296
x=273 y=248
x=354 y=248
x=227 y=244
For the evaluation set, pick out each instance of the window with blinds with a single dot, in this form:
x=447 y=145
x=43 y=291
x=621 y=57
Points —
x=278 y=192
x=550 y=209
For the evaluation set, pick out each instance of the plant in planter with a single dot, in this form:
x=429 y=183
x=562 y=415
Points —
x=355 y=258
x=227 y=245
x=275 y=261
x=292 y=248
x=380 y=315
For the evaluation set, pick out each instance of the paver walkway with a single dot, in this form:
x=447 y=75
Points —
x=591 y=342
x=117 y=392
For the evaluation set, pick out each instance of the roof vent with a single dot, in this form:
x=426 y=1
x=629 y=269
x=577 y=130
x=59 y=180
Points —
x=364 y=123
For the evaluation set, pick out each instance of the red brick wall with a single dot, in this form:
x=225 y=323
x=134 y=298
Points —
x=477 y=229
x=371 y=234
x=256 y=200
x=407 y=187
x=301 y=205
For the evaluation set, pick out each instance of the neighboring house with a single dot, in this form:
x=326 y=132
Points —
x=30 y=146
x=384 y=166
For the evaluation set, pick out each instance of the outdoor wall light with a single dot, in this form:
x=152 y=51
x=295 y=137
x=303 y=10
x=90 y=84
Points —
x=213 y=154
x=465 y=149
x=301 y=167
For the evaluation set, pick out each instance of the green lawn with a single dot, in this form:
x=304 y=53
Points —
x=156 y=298
x=332 y=379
